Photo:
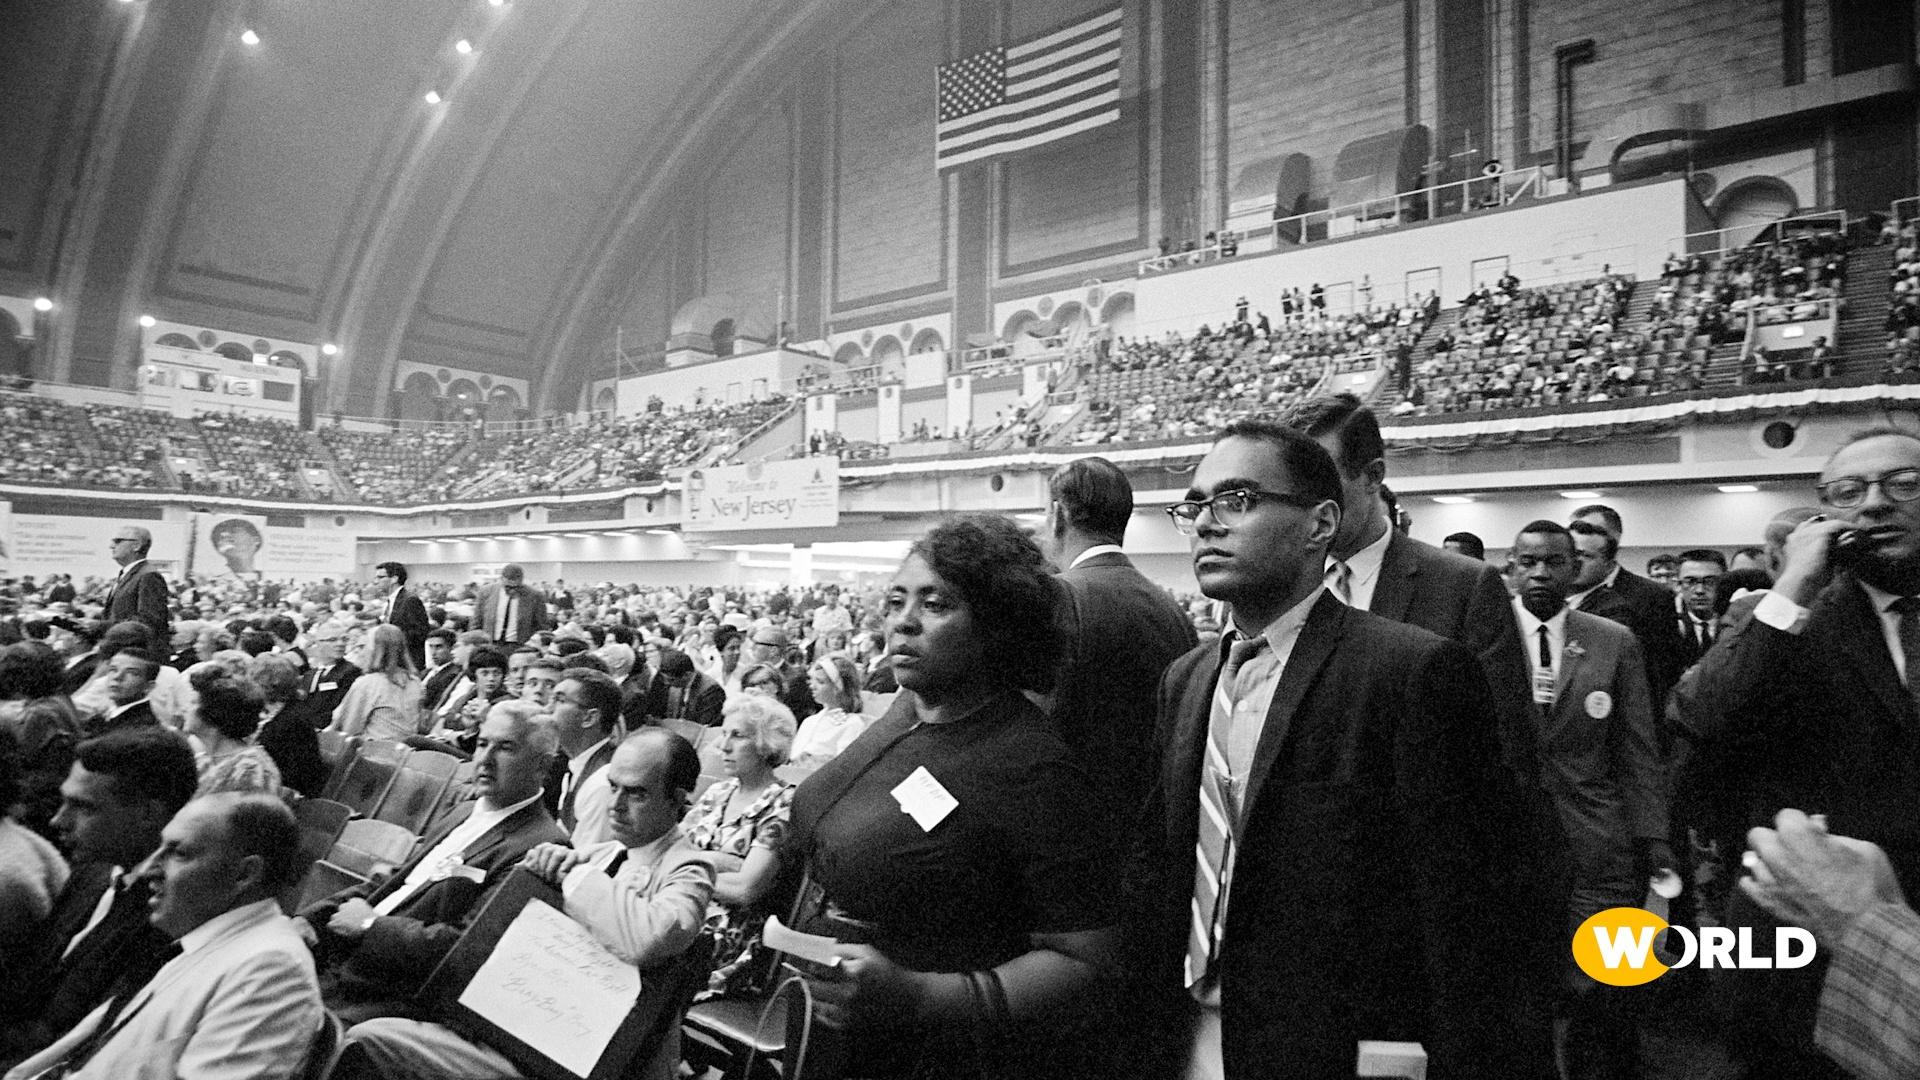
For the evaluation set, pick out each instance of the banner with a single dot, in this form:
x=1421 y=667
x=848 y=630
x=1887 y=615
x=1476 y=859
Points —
x=6 y=538
x=802 y=494
x=42 y=544
x=244 y=545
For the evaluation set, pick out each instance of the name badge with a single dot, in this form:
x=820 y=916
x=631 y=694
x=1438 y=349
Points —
x=922 y=798
x=1543 y=693
x=1599 y=704
x=328 y=686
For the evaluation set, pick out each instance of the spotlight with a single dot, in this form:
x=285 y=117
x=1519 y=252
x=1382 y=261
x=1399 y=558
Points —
x=146 y=321
x=433 y=97
x=329 y=349
x=1579 y=494
x=42 y=304
x=248 y=37
x=463 y=47
x=1739 y=489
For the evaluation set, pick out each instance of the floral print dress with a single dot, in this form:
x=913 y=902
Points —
x=719 y=823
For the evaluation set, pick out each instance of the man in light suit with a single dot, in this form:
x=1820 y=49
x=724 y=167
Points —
x=139 y=592
x=378 y=943
x=510 y=609
x=643 y=895
x=1812 y=695
x=1121 y=632
x=1605 y=774
x=239 y=999
x=1315 y=859
x=403 y=609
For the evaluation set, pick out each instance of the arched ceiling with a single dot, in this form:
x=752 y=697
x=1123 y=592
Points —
x=151 y=161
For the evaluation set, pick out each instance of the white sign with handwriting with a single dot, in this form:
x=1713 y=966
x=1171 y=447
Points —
x=549 y=984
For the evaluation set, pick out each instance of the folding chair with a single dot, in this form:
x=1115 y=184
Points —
x=417 y=789
x=367 y=847
x=365 y=783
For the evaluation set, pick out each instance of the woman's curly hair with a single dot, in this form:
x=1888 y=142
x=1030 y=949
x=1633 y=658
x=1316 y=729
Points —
x=1003 y=578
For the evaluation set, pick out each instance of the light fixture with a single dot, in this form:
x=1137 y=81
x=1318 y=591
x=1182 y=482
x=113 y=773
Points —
x=419 y=541
x=433 y=97
x=617 y=532
x=147 y=321
x=1739 y=489
x=1452 y=500
x=248 y=37
x=329 y=349
x=498 y=3
x=659 y=532
x=1579 y=494
x=463 y=47
x=578 y=536
x=41 y=303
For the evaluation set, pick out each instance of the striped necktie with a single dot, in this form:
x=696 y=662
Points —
x=1340 y=580
x=1219 y=807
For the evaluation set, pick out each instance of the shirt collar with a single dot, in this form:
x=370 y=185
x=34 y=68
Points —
x=579 y=760
x=1097 y=549
x=1881 y=598
x=1612 y=576
x=118 y=709
x=649 y=854
x=203 y=935
x=1530 y=624
x=481 y=809
x=1288 y=624
x=1365 y=563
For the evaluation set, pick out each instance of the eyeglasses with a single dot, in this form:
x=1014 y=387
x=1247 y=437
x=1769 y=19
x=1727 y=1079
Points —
x=1228 y=507
x=1698 y=582
x=1847 y=492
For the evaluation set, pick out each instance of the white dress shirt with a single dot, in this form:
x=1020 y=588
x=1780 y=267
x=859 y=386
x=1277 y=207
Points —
x=450 y=852
x=1364 y=565
x=1783 y=614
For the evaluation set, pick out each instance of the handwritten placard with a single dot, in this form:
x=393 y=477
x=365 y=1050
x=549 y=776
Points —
x=549 y=984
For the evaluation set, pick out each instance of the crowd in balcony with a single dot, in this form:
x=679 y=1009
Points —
x=253 y=456
x=48 y=443
x=399 y=466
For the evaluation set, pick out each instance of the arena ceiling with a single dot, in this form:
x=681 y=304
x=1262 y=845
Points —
x=279 y=165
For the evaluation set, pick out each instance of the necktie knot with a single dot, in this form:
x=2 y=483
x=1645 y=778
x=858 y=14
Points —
x=1239 y=654
x=1340 y=580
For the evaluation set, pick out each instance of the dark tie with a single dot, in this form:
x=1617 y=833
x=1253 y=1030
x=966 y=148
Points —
x=1908 y=608
x=1546 y=651
x=614 y=864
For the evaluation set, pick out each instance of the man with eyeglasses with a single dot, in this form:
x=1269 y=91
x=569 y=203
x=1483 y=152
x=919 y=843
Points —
x=1694 y=618
x=139 y=592
x=1323 y=837
x=1812 y=697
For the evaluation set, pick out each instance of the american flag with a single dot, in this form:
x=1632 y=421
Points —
x=1015 y=97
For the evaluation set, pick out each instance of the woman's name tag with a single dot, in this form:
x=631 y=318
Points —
x=922 y=798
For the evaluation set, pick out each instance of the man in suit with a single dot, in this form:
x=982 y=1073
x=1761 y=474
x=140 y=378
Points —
x=510 y=609
x=378 y=943
x=643 y=894
x=586 y=712
x=769 y=644
x=402 y=609
x=139 y=592
x=237 y=996
x=1813 y=694
x=329 y=680
x=1375 y=567
x=1121 y=632
x=1649 y=607
x=1315 y=857
x=1594 y=551
x=1605 y=774
x=129 y=680
x=121 y=790
x=681 y=692
x=442 y=671
x=1695 y=620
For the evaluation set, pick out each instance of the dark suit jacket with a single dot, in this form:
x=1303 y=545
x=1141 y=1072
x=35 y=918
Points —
x=400 y=950
x=140 y=714
x=325 y=694
x=410 y=615
x=529 y=617
x=436 y=686
x=1650 y=615
x=293 y=744
x=1360 y=892
x=704 y=700
x=124 y=949
x=1121 y=631
x=143 y=595
x=1464 y=600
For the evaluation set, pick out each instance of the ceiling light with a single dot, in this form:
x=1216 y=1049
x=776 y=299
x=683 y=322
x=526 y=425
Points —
x=419 y=541
x=1452 y=500
x=248 y=37
x=147 y=321
x=329 y=349
x=620 y=532
x=433 y=97
x=578 y=536
x=41 y=303
x=1579 y=494
x=1739 y=489
x=463 y=47
x=498 y=3
x=659 y=532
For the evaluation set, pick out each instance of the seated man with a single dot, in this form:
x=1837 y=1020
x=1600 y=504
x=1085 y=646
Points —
x=238 y=998
x=643 y=895
x=377 y=943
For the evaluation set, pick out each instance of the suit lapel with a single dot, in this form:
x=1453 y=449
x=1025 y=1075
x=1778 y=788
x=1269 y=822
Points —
x=1571 y=658
x=1317 y=639
x=1393 y=591
x=1863 y=637
x=1188 y=746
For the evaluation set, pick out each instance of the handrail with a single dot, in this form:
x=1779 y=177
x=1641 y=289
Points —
x=1911 y=205
x=1295 y=230
x=1679 y=244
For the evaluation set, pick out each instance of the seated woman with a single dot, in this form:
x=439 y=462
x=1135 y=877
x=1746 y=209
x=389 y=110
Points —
x=284 y=734
x=222 y=718
x=836 y=686
x=744 y=819
x=384 y=702
x=948 y=849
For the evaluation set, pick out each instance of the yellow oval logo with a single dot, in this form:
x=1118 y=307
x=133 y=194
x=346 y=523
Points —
x=1615 y=946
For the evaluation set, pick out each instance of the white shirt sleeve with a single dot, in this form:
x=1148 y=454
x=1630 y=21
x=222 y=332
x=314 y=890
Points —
x=1780 y=613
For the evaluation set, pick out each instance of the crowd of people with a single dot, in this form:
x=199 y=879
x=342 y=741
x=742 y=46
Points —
x=1047 y=818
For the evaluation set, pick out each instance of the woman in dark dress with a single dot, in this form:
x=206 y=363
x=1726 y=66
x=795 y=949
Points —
x=948 y=849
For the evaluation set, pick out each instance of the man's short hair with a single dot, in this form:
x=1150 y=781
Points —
x=1665 y=560
x=598 y=691
x=513 y=572
x=683 y=761
x=675 y=664
x=1311 y=469
x=1543 y=527
x=1611 y=547
x=1882 y=431
x=282 y=627
x=586 y=661
x=476 y=638
x=1095 y=495
x=545 y=663
x=542 y=737
x=261 y=825
x=149 y=663
x=1471 y=544
x=569 y=646
x=1355 y=429
x=1705 y=555
x=396 y=571
x=486 y=657
x=1606 y=513
x=144 y=763
x=141 y=534
x=441 y=634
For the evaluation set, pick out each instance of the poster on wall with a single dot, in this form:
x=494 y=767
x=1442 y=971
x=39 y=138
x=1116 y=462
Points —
x=41 y=544
x=245 y=546
x=802 y=494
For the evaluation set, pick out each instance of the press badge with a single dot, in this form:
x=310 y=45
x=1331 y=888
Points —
x=922 y=798
x=1543 y=686
x=1599 y=705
